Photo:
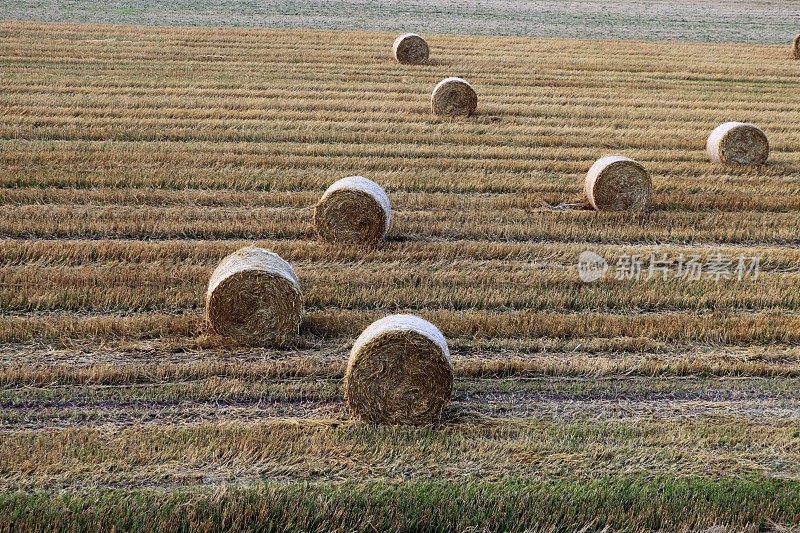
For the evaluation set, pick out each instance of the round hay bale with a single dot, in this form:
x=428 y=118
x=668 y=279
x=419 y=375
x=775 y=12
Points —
x=737 y=143
x=411 y=49
x=254 y=298
x=453 y=97
x=796 y=47
x=399 y=372
x=353 y=210
x=617 y=183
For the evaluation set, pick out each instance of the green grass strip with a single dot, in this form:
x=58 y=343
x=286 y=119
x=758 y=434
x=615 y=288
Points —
x=619 y=503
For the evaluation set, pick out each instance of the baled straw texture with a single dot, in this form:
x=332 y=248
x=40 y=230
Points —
x=617 y=183
x=399 y=372
x=453 y=97
x=353 y=210
x=796 y=47
x=737 y=143
x=411 y=49
x=254 y=298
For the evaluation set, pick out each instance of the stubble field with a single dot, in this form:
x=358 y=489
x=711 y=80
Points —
x=133 y=159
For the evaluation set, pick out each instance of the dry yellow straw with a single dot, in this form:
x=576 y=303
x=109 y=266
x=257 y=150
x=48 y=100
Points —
x=399 y=372
x=254 y=298
x=737 y=143
x=617 y=183
x=353 y=210
x=411 y=49
x=453 y=97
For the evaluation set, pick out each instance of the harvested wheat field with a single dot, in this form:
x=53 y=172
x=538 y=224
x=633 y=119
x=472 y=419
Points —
x=132 y=160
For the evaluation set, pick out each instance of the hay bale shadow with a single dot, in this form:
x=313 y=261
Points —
x=456 y=415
